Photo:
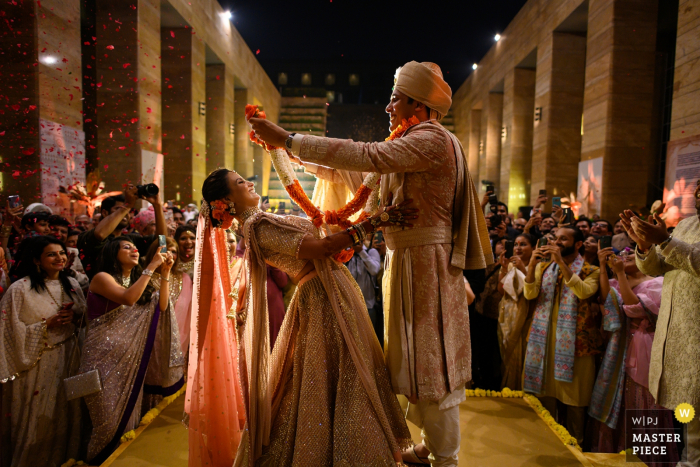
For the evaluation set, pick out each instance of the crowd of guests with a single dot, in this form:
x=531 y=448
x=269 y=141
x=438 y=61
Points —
x=96 y=307
x=569 y=312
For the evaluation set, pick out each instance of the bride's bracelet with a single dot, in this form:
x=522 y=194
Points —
x=354 y=235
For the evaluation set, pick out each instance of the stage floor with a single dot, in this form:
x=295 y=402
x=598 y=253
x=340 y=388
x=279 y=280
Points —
x=495 y=432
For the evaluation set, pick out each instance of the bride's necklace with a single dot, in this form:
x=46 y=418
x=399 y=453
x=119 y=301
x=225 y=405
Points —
x=248 y=213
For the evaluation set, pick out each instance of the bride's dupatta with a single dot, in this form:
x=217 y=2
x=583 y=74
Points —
x=213 y=400
x=266 y=372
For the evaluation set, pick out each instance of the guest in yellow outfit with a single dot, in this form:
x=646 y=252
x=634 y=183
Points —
x=559 y=362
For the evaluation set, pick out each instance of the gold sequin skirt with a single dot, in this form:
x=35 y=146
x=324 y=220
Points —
x=325 y=417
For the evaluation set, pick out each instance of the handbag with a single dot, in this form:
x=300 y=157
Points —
x=83 y=384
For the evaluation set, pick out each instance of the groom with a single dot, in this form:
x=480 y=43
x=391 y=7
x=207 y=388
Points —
x=427 y=347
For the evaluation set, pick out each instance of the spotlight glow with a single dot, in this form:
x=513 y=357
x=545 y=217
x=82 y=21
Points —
x=497 y=37
x=228 y=15
x=49 y=60
x=475 y=66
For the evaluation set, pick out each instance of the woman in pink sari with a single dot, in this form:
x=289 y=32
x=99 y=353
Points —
x=323 y=396
x=214 y=408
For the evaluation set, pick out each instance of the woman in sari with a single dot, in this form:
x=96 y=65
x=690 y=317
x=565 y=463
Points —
x=38 y=351
x=123 y=321
x=514 y=314
x=164 y=376
x=323 y=397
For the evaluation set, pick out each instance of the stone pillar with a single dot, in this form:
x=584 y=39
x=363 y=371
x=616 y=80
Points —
x=490 y=159
x=556 y=139
x=617 y=119
x=474 y=144
x=243 y=148
x=41 y=138
x=128 y=89
x=219 y=118
x=184 y=129
x=516 y=146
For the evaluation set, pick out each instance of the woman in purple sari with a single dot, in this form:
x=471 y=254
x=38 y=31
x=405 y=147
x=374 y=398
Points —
x=123 y=318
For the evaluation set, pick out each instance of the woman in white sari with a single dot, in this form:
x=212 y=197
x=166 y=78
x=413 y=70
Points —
x=38 y=351
x=323 y=397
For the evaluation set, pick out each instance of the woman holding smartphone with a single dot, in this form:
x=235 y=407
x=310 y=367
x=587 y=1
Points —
x=514 y=310
x=123 y=319
x=38 y=351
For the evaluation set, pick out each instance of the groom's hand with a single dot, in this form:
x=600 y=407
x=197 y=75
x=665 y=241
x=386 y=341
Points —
x=269 y=132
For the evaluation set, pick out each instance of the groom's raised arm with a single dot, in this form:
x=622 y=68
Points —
x=419 y=150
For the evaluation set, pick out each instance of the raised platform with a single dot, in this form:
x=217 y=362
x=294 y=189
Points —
x=496 y=432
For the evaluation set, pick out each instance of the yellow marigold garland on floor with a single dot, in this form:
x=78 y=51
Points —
x=153 y=413
x=72 y=462
x=534 y=402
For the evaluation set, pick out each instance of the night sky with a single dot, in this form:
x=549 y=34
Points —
x=452 y=34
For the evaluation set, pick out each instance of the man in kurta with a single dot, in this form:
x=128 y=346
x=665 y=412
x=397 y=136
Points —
x=674 y=370
x=427 y=346
x=563 y=338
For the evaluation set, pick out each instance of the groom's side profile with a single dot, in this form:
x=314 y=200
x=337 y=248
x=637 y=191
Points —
x=427 y=349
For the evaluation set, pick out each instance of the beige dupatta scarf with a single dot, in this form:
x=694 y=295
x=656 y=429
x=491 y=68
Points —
x=265 y=372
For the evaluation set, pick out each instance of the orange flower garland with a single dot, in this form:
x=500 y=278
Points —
x=331 y=217
x=296 y=192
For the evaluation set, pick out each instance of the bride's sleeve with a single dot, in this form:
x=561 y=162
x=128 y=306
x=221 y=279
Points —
x=277 y=239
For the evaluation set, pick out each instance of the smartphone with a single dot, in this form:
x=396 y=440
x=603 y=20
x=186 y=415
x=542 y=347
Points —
x=14 y=201
x=163 y=244
x=491 y=188
x=568 y=217
x=264 y=199
x=68 y=306
x=605 y=241
x=493 y=200
x=556 y=201
x=543 y=192
x=542 y=242
x=509 y=248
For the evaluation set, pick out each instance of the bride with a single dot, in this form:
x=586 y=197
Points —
x=322 y=397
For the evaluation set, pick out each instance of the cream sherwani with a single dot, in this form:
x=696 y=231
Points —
x=674 y=370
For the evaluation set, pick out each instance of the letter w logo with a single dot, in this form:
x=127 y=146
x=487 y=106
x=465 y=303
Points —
x=684 y=412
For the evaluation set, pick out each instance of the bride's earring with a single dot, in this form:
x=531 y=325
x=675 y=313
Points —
x=232 y=208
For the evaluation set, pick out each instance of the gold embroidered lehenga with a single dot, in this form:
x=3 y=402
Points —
x=323 y=397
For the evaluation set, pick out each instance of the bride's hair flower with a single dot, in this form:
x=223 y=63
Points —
x=220 y=211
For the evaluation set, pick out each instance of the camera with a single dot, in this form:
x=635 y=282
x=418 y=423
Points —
x=150 y=189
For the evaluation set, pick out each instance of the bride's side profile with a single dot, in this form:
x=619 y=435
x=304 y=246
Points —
x=322 y=396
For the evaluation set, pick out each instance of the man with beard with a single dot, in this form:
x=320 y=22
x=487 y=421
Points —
x=674 y=370
x=559 y=361
x=428 y=349
x=116 y=216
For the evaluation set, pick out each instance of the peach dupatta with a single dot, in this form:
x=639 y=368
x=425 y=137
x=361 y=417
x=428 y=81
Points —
x=213 y=400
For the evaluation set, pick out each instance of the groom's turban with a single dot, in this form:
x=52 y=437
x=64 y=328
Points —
x=423 y=82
